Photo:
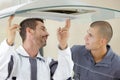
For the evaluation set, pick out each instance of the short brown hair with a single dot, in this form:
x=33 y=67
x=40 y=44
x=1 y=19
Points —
x=105 y=29
x=29 y=22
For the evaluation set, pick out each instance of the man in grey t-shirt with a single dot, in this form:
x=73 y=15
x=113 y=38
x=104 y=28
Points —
x=95 y=60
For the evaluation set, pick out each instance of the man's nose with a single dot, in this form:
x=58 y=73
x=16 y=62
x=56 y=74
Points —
x=47 y=33
x=86 y=37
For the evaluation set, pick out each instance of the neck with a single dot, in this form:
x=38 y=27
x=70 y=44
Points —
x=98 y=54
x=31 y=49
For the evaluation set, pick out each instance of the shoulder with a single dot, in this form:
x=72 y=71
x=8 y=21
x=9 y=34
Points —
x=116 y=59
x=50 y=61
x=77 y=48
x=116 y=65
x=78 y=52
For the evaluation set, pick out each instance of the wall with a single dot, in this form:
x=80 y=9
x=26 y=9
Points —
x=77 y=33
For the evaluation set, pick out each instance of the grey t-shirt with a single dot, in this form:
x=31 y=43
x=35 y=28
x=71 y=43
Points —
x=85 y=67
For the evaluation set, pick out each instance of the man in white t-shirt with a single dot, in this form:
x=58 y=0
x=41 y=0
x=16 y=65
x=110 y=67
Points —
x=25 y=62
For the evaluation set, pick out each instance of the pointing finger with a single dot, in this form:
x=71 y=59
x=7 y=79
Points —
x=10 y=20
x=67 y=24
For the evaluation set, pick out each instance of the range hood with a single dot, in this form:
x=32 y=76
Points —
x=52 y=9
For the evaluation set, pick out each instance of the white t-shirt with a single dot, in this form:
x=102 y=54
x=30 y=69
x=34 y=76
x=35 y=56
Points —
x=21 y=65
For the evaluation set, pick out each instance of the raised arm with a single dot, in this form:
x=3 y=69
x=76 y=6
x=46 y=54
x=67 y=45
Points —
x=65 y=63
x=11 y=31
x=63 y=35
x=6 y=49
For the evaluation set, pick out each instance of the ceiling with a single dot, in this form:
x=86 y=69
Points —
x=99 y=15
x=113 y=4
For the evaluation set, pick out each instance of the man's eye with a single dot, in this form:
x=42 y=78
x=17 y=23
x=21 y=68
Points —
x=44 y=29
x=90 y=35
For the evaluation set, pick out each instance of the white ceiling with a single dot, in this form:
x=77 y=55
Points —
x=114 y=4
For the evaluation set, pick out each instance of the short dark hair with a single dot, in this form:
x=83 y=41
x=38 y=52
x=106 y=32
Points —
x=29 y=22
x=105 y=29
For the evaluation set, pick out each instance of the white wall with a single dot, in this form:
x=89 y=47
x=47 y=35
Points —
x=77 y=31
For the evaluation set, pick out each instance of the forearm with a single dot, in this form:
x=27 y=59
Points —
x=5 y=52
x=65 y=65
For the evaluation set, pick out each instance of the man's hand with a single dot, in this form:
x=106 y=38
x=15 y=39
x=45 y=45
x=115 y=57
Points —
x=63 y=34
x=11 y=31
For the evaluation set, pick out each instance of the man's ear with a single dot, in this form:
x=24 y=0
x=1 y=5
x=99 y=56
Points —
x=104 y=41
x=29 y=30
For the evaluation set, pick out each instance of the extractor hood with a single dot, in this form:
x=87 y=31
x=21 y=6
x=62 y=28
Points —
x=52 y=9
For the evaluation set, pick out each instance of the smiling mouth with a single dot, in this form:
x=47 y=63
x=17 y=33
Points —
x=45 y=38
x=87 y=43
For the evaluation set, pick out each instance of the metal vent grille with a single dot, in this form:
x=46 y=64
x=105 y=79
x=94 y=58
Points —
x=69 y=11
